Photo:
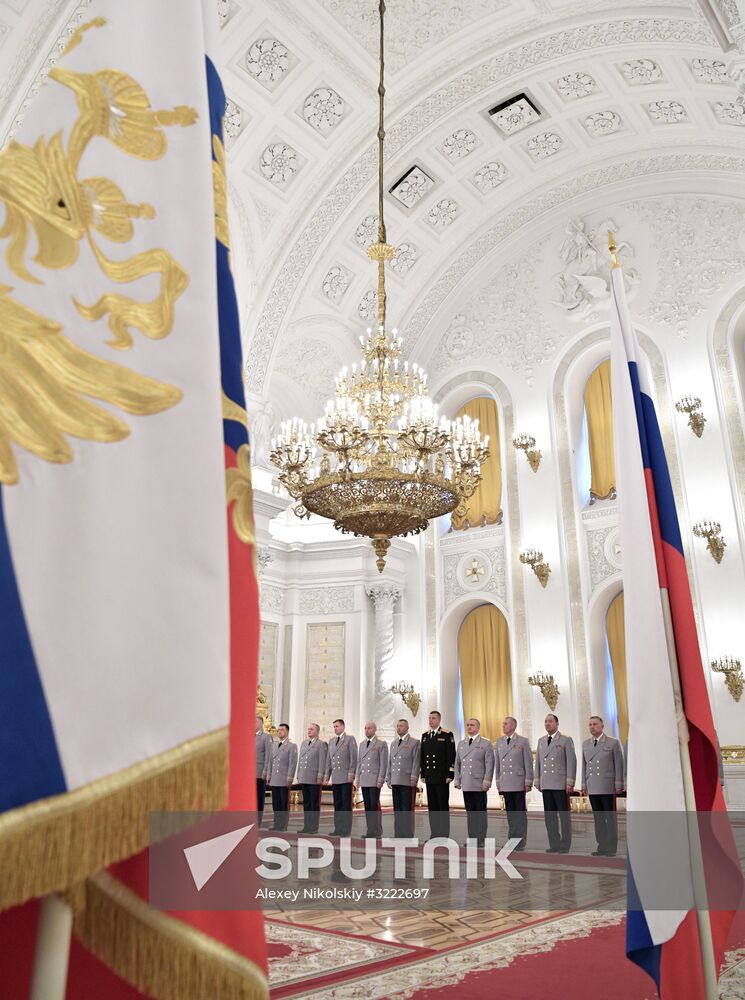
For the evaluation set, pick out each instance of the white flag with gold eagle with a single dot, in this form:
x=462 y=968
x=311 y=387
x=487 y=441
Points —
x=114 y=585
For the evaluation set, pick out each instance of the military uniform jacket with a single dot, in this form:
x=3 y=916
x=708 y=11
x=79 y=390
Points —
x=513 y=764
x=555 y=765
x=602 y=766
x=283 y=763
x=438 y=756
x=264 y=745
x=372 y=763
x=403 y=761
x=342 y=762
x=474 y=764
x=313 y=757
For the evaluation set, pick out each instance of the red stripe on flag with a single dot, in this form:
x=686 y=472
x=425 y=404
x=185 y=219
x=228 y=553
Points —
x=681 y=969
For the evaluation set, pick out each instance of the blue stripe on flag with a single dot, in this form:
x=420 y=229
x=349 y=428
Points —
x=639 y=945
x=30 y=766
x=653 y=455
x=230 y=329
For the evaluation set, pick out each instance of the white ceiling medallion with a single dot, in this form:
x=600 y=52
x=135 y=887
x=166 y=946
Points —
x=268 y=60
x=336 y=282
x=709 y=70
x=667 y=112
x=515 y=114
x=367 y=231
x=279 y=163
x=459 y=144
x=544 y=144
x=225 y=10
x=232 y=122
x=412 y=187
x=443 y=214
x=603 y=123
x=490 y=176
x=730 y=112
x=576 y=85
x=639 y=72
x=406 y=257
x=323 y=109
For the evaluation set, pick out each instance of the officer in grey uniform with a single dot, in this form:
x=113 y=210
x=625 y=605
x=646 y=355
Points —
x=372 y=764
x=474 y=769
x=513 y=772
x=602 y=780
x=402 y=776
x=264 y=744
x=340 y=770
x=555 y=776
x=281 y=776
x=311 y=774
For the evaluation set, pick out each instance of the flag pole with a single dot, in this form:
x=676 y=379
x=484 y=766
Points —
x=52 y=950
x=698 y=877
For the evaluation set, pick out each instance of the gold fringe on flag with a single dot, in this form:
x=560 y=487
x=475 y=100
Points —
x=54 y=843
x=158 y=954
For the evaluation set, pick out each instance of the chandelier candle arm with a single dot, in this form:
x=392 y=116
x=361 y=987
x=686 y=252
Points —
x=733 y=676
x=692 y=406
x=381 y=462
x=712 y=532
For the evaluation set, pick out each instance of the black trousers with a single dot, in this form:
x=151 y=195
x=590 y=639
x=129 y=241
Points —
x=260 y=797
x=342 y=809
x=438 y=806
x=476 y=817
x=280 y=806
x=403 y=811
x=517 y=817
x=311 y=807
x=373 y=815
x=556 y=813
x=606 y=822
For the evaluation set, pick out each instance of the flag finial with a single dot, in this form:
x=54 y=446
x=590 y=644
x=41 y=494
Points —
x=614 y=262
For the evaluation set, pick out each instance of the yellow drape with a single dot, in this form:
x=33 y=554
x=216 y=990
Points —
x=599 y=411
x=485 y=674
x=485 y=506
x=617 y=648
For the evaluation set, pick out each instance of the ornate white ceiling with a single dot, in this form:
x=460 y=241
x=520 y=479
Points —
x=613 y=99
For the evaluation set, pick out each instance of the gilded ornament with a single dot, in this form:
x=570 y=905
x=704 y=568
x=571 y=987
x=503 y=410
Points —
x=220 y=191
x=239 y=489
x=44 y=386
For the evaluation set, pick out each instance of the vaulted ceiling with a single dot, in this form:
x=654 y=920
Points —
x=499 y=112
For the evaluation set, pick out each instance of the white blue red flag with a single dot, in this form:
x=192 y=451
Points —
x=128 y=600
x=662 y=939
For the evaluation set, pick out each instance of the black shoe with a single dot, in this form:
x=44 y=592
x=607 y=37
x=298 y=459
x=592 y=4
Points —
x=610 y=854
x=519 y=848
x=562 y=850
x=480 y=843
x=553 y=850
x=598 y=854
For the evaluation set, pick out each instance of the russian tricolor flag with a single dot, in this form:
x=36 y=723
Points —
x=660 y=633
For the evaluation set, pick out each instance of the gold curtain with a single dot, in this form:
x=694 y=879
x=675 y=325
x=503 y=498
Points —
x=614 y=625
x=599 y=411
x=486 y=677
x=485 y=506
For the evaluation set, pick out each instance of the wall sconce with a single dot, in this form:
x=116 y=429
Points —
x=526 y=442
x=712 y=532
x=547 y=687
x=692 y=406
x=534 y=559
x=733 y=677
x=408 y=695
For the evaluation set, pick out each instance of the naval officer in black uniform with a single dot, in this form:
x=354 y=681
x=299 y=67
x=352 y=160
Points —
x=438 y=770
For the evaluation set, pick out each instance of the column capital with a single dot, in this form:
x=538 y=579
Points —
x=382 y=594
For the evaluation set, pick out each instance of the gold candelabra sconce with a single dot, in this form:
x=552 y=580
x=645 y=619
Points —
x=712 y=532
x=526 y=442
x=733 y=677
x=692 y=406
x=534 y=559
x=408 y=695
x=547 y=686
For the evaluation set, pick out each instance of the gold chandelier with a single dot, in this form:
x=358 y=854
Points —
x=381 y=461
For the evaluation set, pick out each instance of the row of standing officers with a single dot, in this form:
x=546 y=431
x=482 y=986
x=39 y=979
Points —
x=472 y=766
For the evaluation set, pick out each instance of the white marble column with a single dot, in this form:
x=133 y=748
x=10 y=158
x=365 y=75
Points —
x=384 y=597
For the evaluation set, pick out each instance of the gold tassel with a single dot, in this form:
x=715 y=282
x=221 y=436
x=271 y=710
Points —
x=54 y=843
x=158 y=954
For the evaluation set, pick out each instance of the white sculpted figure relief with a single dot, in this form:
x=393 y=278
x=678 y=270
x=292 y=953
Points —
x=584 y=280
x=261 y=422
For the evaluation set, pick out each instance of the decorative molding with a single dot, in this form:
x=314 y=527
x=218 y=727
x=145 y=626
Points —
x=490 y=176
x=640 y=72
x=413 y=187
x=268 y=60
x=515 y=116
x=279 y=163
x=544 y=144
x=323 y=109
x=335 y=282
x=709 y=70
x=667 y=112
x=574 y=86
x=442 y=214
x=483 y=78
x=326 y=600
x=406 y=257
x=491 y=576
x=603 y=554
x=271 y=598
x=584 y=281
x=460 y=143
x=601 y=123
